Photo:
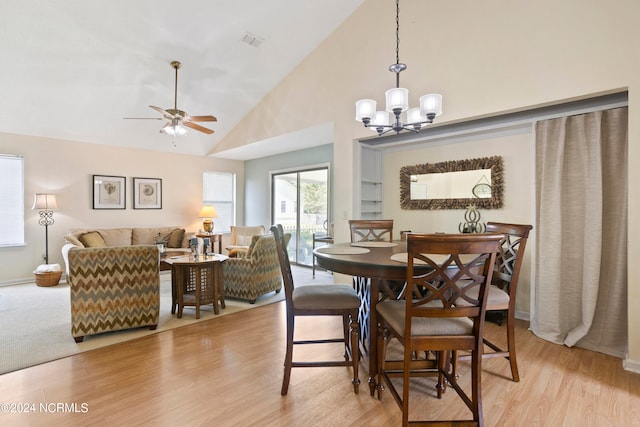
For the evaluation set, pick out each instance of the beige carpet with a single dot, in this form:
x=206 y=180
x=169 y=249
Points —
x=36 y=321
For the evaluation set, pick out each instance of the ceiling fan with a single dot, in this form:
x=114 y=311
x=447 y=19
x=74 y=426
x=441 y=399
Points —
x=177 y=120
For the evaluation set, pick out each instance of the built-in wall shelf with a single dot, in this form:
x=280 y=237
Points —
x=370 y=183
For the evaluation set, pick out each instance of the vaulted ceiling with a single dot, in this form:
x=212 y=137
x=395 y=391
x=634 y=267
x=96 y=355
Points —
x=73 y=69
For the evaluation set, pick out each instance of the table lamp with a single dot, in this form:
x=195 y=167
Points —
x=207 y=213
x=47 y=204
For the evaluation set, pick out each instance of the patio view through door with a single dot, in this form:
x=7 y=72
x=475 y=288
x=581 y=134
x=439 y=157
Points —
x=300 y=201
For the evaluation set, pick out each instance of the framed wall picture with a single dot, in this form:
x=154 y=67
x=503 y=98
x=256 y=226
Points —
x=109 y=192
x=147 y=193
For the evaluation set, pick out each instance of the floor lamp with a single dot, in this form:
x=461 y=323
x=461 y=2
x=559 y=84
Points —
x=46 y=203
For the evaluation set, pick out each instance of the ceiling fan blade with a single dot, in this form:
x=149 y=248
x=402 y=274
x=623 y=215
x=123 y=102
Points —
x=163 y=112
x=202 y=119
x=197 y=127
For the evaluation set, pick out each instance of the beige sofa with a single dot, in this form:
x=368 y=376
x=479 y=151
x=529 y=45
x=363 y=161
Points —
x=174 y=238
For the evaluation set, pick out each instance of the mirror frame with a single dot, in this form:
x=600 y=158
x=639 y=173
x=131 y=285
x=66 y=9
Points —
x=497 y=184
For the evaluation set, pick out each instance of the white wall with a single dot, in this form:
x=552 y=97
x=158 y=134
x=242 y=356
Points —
x=258 y=179
x=485 y=57
x=65 y=169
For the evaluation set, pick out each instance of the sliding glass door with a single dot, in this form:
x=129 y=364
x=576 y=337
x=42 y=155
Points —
x=301 y=204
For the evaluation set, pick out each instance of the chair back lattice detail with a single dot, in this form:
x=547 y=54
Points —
x=457 y=269
x=510 y=257
x=379 y=230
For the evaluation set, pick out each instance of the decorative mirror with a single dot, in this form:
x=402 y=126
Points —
x=453 y=184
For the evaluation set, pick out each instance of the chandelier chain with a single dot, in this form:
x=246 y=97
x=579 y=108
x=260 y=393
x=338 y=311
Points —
x=397 y=31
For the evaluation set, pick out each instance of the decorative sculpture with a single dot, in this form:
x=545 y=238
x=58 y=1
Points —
x=472 y=222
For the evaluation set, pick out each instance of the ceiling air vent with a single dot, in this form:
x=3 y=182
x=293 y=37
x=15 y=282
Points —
x=252 y=40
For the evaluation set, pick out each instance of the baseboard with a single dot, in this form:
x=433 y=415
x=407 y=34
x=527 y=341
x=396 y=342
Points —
x=27 y=280
x=522 y=315
x=631 y=365
x=19 y=281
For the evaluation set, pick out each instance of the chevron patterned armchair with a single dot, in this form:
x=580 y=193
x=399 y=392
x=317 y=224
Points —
x=256 y=273
x=113 y=288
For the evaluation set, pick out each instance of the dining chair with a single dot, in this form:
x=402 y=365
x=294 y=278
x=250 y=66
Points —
x=501 y=301
x=318 y=300
x=371 y=230
x=441 y=311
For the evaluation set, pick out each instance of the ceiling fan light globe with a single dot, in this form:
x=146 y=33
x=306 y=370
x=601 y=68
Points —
x=173 y=130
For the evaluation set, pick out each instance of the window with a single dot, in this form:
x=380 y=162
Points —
x=219 y=190
x=283 y=206
x=11 y=200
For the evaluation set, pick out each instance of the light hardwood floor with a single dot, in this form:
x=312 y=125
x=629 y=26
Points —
x=228 y=372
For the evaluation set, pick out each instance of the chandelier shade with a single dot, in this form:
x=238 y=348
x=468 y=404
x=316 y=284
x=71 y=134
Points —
x=397 y=102
x=380 y=118
x=431 y=104
x=415 y=115
x=365 y=108
x=397 y=98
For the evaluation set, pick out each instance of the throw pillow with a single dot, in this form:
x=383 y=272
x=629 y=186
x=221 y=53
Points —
x=243 y=240
x=73 y=240
x=92 y=239
x=175 y=238
x=254 y=241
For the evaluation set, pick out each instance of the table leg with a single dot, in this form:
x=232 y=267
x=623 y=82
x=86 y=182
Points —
x=220 y=283
x=368 y=291
x=174 y=291
x=371 y=291
x=180 y=285
x=216 y=288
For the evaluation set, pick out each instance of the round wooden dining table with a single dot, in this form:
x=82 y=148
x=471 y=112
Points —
x=379 y=271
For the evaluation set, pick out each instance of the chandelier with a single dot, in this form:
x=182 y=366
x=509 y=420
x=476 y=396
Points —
x=398 y=102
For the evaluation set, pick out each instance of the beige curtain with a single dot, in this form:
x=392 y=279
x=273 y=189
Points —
x=581 y=227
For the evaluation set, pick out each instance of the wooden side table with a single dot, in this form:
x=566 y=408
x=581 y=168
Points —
x=214 y=237
x=196 y=282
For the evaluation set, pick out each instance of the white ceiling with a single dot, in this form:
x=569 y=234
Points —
x=73 y=69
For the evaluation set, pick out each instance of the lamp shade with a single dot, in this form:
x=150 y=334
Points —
x=381 y=118
x=365 y=108
x=208 y=211
x=414 y=115
x=431 y=104
x=47 y=202
x=397 y=98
